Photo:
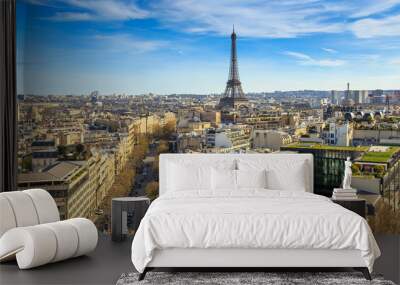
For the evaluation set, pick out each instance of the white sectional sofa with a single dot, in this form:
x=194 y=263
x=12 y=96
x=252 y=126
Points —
x=31 y=230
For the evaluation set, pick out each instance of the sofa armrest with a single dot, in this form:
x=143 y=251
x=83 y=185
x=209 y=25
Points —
x=41 y=244
x=32 y=246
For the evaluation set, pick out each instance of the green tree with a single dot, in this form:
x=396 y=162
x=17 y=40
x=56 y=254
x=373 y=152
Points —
x=168 y=129
x=152 y=190
x=155 y=164
x=141 y=149
x=162 y=147
x=27 y=163
x=157 y=131
x=61 y=150
x=379 y=171
x=385 y=220
x=80 y=148
x=355 y=168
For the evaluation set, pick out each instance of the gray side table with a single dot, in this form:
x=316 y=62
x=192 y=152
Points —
x=121 y=209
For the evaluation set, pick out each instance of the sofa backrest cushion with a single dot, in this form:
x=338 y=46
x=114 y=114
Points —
x=7 y=218
x=46 y=207
x=26 y=208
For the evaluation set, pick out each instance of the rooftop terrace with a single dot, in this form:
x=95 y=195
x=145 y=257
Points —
x=370 y=154
x=327 y=147
x=380 y=156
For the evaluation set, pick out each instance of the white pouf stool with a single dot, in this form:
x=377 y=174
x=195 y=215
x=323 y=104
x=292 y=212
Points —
x=31 y=232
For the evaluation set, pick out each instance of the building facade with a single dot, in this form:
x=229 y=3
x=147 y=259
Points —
x=229 y=139
x=328 y=164
x=270 y=139
x=338 y=134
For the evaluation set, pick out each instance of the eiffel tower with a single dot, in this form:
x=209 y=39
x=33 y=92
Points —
x=233 y=96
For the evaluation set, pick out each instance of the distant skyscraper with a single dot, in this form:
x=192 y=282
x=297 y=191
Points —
x=357 y=97
x=348 y=100
x=364 y=96
x=360 y=96
x=378 y=97
x=377 y=92
x=387 y=102
x=233 y=96
x=348 y=92
x=94 y=96
x=335 y=97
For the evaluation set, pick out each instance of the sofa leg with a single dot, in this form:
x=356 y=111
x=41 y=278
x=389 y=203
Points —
x=143 y=274
x=364 y=271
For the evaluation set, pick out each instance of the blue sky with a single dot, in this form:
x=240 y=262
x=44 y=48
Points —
x=182 y=46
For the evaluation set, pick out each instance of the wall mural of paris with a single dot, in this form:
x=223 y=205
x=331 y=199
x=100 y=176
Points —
x=106 y=86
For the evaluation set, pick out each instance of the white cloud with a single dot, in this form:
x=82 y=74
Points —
x=38 y=2
x=374 y=7
x=298 y=55
x=71 y=16
x=277 y=19
x=100 y=10
x=395 y=61
x=127 y=43
x=369 y=57
x=369 y=28
x=330 y=50
x=305 y=59
x=273 y=19
x=253 y=18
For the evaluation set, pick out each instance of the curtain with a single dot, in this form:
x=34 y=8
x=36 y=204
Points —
x=8 y=100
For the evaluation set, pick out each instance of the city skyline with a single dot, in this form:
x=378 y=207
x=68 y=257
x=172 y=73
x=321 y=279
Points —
x=132 y=47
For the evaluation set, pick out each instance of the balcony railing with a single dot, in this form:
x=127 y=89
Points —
x=391 y=186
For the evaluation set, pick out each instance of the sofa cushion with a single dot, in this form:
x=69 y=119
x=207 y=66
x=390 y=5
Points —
x=45 y=205
x=32 y=246
x=87 y=235
x=41 y=244
x=67 y=240
x=23 y=208
x=7 y=220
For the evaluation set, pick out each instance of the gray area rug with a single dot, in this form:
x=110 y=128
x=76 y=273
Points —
x=229 y=278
